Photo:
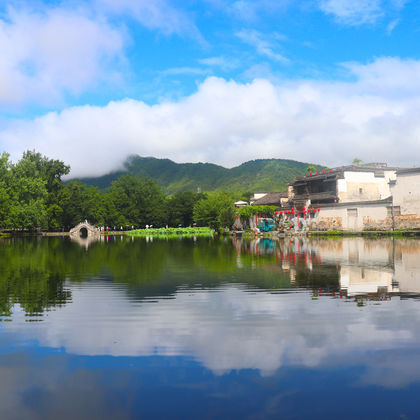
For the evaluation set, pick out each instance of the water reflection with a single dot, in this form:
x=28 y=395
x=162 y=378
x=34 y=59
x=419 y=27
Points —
x=85 y=241
x=365 y=267
x=343 y=309
x=35 y=275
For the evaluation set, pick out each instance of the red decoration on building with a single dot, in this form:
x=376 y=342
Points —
x=310 y=173
x=319 y=209
x=323 y=172
x=316 y=173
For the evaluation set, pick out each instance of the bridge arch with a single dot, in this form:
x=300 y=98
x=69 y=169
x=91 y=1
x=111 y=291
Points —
x=85 y=230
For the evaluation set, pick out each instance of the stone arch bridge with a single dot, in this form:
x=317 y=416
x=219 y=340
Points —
x=84 y=229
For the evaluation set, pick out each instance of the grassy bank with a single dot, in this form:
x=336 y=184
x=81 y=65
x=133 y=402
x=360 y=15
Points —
x=171 y=232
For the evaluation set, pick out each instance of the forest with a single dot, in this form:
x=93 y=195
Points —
x=33 y=196
x=172 y=177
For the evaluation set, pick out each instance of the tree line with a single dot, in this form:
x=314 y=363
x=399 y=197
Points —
x=33 y=196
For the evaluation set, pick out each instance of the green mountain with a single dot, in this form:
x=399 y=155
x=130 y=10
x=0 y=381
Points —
x=256 y=175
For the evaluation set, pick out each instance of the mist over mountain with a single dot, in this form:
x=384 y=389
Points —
x=255 y=175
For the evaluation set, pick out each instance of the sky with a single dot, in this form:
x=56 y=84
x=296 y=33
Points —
x=320 y=81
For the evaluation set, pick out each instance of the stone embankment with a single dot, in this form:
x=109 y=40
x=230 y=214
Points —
x=400 y=222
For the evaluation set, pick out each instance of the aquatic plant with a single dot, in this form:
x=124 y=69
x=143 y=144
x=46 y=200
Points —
x=171 y=232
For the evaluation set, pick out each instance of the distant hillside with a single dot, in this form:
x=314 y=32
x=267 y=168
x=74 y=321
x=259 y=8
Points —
x=255 y=175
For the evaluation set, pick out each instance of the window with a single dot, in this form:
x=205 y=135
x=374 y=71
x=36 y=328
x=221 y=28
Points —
x=396 y=209
x=360 y=191
x=352 y=212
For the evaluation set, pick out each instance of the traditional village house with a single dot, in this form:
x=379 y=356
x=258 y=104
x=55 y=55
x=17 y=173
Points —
x=241 y=203
x=256 y=197
x=278 y=199
x=405 y=190
x=351 y=198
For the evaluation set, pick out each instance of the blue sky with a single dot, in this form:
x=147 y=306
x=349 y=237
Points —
x=211 y=80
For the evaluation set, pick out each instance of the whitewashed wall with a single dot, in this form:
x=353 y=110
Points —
x=343 y=217
x=406 y=193
x=373 y=187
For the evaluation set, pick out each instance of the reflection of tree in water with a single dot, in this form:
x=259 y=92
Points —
x=24 y=279
x=33 y=271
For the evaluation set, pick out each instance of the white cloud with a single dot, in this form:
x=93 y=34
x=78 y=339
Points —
x=225 y=64
x=392 y=25
x=185 y=71
x=388 y=77
x=47 y=55
x=250 y=10
x=156 y=14
x=399 y=4
x=353 y=12
x=358 y=12
x=261 y=44
x=374 y=117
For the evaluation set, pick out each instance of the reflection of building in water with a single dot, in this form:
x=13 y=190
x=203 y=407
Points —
x=367 y=281
x=356 y=251
x=374 y=266
x=357 y=266
x=407 y=265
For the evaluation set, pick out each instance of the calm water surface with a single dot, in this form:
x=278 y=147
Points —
x=209 y=328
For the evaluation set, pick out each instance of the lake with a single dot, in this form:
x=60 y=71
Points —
x=201 y=328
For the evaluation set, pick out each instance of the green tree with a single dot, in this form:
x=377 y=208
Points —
x=246 y=196
x=31 y=189
x=357 y=161
x=79 y=202
x=311 y=169
x=28 y=195
x=49 y=170
x=249 y=211
x=181 y=208
x=138 y=202
x=5 y=175
x=216 y=211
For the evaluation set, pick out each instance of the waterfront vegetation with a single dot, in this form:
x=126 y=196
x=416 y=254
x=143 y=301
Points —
x=33 y=196
x=171 y=232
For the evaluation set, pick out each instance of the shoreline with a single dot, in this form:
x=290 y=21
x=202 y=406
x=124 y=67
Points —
x=245 y=234
x=329 y=233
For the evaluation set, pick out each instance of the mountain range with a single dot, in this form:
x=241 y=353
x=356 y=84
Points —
x=261 y=175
